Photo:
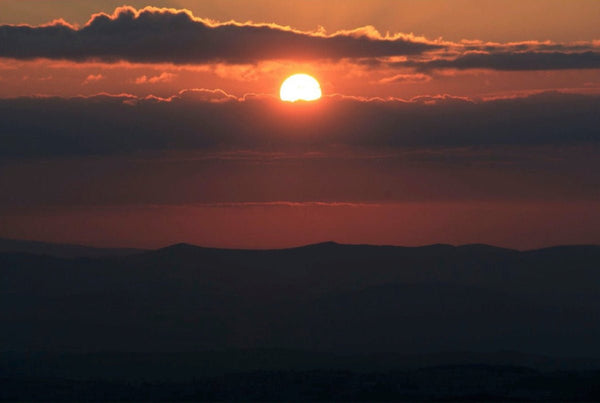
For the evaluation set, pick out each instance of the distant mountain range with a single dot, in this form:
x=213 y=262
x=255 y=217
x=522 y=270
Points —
x=325 y=297
x=324 y=321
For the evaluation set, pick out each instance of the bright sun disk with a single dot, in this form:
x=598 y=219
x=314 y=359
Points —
x=300 y=87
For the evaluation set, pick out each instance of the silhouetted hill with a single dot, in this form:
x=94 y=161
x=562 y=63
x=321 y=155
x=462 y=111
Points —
x=475 y=383
x=319 y=322
x=61 y=250
x=129 y=366
x=324 y=297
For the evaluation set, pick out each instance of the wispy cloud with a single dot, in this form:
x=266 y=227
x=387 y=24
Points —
x=93 y=78
x=161 y=78
x=406 y=78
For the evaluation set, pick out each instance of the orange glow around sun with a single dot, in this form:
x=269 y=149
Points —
x=300 y=87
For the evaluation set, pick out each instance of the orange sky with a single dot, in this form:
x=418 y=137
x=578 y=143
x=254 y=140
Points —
x=442 y=121
x=280 y=225
x=559 y=22
x=68 y=79
x=509 y=20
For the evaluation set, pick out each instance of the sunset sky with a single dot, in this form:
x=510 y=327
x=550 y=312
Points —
x=441 y=121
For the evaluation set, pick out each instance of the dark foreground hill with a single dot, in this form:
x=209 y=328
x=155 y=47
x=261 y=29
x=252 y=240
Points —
x=367 y=310
x=324 y=297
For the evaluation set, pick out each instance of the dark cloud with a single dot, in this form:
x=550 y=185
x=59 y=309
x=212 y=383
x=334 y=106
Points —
x=154 y=35
x=165 y=35
x=528 y=46
x=512 y=61
x=207 y=120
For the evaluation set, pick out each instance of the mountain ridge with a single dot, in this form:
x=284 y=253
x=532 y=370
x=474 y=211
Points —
x=66 y=250
x=323 y=297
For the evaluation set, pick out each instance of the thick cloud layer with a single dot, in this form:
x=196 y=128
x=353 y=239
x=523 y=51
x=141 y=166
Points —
x=155 y=35
x=166 y=35
x=514 y=61
x=206 y=120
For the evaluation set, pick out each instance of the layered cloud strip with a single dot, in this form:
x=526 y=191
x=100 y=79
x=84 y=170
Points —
x=158 y=35
x=202 y=119
x=176 y=36
x=511 y=61
x=215 y=120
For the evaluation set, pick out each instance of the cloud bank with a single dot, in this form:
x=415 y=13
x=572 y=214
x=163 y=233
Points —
x=512 y=61
x=154 y=35
x=161 y=35
x=212 y=119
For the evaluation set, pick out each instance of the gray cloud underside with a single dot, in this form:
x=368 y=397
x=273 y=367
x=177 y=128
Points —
x=34 y=127
x=177 y=37
x=509 y=61
x=166 y=36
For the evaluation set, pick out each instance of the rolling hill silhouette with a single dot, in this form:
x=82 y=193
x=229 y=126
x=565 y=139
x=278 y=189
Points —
x=322 y=297
x=324 y=321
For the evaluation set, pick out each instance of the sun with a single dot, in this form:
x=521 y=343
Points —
x=300 y=87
